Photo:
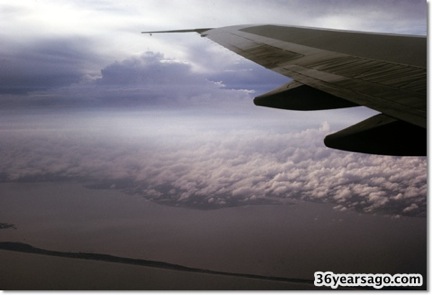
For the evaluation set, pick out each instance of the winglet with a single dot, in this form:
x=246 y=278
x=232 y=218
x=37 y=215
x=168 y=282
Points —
x=199 y=31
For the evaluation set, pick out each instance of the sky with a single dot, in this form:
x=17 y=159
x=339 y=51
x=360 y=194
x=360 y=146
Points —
x=86 y=98
x=89 y=37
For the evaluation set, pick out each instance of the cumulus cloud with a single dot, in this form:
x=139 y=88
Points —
x=153 y=79
x=181 y=164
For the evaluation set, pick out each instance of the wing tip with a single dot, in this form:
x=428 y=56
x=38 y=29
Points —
x=198 y=30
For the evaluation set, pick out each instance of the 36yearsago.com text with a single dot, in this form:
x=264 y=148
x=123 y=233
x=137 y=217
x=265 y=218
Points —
x=377 y=281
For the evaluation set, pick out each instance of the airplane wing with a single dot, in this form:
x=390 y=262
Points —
x=336 y=69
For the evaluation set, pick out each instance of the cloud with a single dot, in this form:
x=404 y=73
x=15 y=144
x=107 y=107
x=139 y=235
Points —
x=94 y=18
x=385 y=16
x=43 y=65
x=48 y=33
x=47 y=45
x=149 y=80
x=180 y=163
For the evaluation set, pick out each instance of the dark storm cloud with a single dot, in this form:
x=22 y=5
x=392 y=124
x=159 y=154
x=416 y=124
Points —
x=146 y=80
x=151 y=79
x=189 y=161
x=43 y=65
x=149 y=69
x=155 y=79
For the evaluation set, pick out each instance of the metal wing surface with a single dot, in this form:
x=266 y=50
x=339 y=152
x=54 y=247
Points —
x=336 y=69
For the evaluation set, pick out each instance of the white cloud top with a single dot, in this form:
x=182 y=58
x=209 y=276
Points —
x=174 y=159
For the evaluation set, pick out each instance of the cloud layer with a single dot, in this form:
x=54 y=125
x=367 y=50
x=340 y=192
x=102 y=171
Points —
x=149 y=80
x=189 y=161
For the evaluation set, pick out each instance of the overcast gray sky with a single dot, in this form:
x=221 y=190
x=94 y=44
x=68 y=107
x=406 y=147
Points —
x=62 y=55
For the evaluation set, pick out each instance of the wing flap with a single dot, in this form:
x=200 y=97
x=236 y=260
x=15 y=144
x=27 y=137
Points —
x=381 y=135
x=399 y=103
x=300 y=97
